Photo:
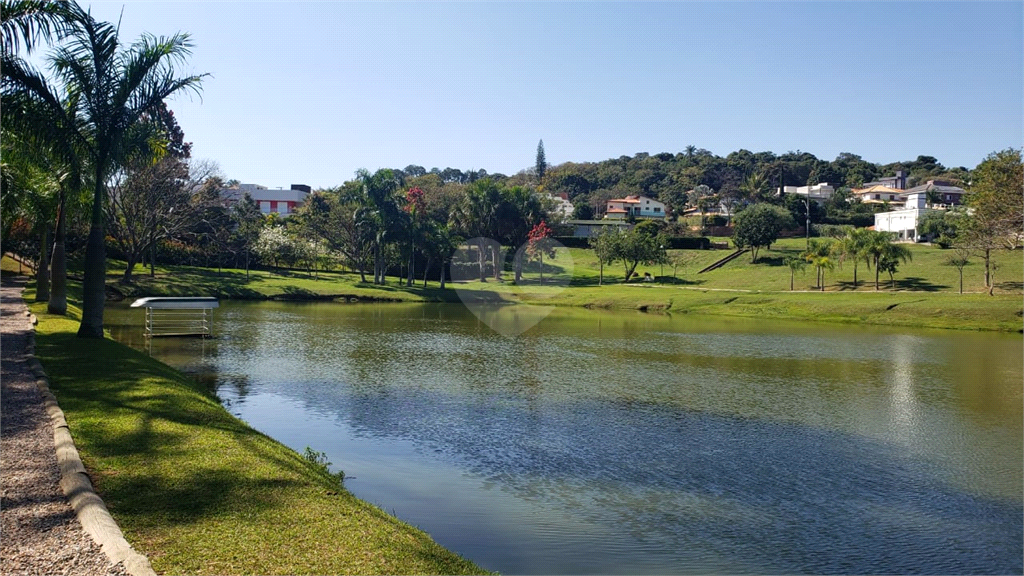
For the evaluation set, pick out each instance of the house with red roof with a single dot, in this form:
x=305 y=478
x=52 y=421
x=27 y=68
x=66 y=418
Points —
x=635 y=206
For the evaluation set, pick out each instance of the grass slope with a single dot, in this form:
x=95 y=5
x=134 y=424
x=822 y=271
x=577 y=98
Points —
x=200 y=492
x=925 y=295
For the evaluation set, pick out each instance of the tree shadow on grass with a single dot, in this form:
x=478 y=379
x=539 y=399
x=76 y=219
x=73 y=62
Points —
x=916 y=284
x=1010 y=286
x=771 y=260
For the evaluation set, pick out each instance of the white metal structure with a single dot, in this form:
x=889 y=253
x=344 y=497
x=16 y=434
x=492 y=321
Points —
x=178 y=316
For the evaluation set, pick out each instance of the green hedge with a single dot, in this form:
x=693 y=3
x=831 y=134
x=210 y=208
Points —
x=674 y=243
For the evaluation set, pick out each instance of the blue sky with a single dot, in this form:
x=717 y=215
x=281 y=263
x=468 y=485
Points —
x=311 y=92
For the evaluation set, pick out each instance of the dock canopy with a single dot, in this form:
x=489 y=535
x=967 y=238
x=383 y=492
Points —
x=178 y=316
x=165 y=302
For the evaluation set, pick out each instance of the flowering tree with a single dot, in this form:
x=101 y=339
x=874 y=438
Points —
x=540 y=243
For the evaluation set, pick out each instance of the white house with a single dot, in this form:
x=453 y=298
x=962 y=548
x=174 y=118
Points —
x=562 y=206
x=635 y=206
x=819 y=192
x=948 y=195
x=879 y=194
x=903 y=222
x=277 y=200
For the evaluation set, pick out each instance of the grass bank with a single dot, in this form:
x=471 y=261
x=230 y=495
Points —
x=200 y=492
x=926 y=292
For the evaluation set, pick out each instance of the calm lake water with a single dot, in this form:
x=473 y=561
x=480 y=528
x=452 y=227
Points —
x=609 y=442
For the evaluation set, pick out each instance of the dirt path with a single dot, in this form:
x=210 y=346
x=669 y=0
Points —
x=40 y=532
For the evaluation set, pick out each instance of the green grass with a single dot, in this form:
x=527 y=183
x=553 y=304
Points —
x=925 y=294
x=198 y=491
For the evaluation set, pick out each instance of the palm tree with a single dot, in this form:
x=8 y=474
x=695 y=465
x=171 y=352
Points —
x=40 y=118
x=754 y=187
x=379 y=217
x=112 y=88
x=852 y=246
x=820 y=254
x=477 y=217
x=879 y=245
x=794 y=264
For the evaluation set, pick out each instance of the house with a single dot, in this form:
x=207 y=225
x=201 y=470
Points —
x=819 y=192
x=635 y=206
x=878 y=194
x=947 y=194
x=561 y=204
x=899 y=181
x=903 y=222
x=271 y=201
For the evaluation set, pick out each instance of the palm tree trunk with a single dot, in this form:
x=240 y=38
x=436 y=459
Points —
x=43 y=268
x=442 y=273
x=58 y=303
x=94 y=282
x=412 y=266
x=495 y=252
x=482 y=259
x=152 y=256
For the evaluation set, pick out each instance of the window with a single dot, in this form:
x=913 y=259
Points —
x=657 y=209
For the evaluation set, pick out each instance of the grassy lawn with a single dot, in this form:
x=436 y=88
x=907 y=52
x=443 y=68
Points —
x=925 y=294
x=200 y=492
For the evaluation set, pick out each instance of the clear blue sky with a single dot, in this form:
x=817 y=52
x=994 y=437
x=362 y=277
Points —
x=310 y=92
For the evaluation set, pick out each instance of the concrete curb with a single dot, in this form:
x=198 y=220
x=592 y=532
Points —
x=92 y=513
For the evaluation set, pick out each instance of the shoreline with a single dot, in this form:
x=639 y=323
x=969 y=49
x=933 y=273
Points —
x=912 y=309
x=229 y=501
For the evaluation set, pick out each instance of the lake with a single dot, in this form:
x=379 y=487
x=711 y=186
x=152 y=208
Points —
x=614 y=442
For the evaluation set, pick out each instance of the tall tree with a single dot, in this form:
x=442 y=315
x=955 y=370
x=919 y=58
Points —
x=112 y=87
x=604 y=246
x=40 y=120
x=380 y=217
x=878 y=246
x=759 y=226
x=248 y=221
x=542 y=163
x=997 y=206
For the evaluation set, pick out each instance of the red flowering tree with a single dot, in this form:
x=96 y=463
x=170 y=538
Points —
x=540 y=244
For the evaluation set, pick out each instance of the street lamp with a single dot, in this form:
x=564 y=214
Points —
x=661 y=279
x=807 y=200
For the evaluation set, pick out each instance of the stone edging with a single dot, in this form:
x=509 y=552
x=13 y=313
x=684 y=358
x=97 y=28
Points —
x=92 y=513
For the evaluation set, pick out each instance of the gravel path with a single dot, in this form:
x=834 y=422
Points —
x=39 y=532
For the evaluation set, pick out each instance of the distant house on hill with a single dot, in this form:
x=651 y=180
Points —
x=899 y=181
x=944 y=192
x=878 y=194
x=271 y=201
x=819 y=192
x=562 y=206
x=635 y=206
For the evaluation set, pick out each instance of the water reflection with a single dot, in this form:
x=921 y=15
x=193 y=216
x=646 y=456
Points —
x=627 y=442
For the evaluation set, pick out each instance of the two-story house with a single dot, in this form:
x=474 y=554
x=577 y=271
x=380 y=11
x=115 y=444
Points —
x=278 y=201
x=635 y=206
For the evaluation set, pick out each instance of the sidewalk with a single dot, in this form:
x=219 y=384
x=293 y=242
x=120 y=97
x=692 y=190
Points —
x=41 y=534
